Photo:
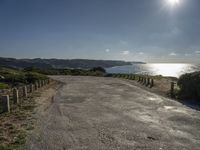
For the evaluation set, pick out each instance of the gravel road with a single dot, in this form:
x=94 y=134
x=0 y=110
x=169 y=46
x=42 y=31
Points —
x=92 y=113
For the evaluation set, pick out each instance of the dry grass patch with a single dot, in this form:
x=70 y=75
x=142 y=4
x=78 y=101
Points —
x=15 y=125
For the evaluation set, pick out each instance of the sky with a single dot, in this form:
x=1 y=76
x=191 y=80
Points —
x=130 y=30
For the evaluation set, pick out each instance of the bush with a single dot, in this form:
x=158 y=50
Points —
x=98 y=69
x=189 y=85
x=32 y=77
x=15 y=78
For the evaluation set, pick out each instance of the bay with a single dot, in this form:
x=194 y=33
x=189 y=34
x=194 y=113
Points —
x=164 y=69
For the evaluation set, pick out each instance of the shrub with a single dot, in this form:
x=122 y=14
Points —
x=98 y=69
x=189 y=85
x=15 y=78
x=31 y=77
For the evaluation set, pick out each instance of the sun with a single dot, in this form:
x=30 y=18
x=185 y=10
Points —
x=173 y=2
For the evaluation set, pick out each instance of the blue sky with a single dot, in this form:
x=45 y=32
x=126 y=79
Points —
x=132 y=30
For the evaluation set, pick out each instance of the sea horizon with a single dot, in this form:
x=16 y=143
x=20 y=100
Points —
x=164 y=69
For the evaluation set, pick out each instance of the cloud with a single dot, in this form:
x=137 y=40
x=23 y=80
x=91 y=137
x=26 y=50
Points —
x=197 y=52
x=141 y=53
x=125 y=52
x=107 y=50
x=172 y=54
x=123 y=42
x=186 y=54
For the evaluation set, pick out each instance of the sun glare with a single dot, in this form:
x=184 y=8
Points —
x=173 y=2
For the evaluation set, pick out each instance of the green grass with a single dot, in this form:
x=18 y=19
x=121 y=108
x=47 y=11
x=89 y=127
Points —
x=15 y=126
x=3 y=86
x=15 y=77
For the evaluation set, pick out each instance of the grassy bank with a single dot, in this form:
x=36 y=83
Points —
x=97 y=71
x=11 y=77
x=15 y=125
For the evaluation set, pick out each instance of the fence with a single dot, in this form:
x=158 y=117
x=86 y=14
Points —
x=14 y=96
x=147 y=81
x=164 y=86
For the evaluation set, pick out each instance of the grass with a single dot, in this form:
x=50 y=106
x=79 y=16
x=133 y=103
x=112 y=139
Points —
x=4 y=86
x=17 y=77
x=15 y=126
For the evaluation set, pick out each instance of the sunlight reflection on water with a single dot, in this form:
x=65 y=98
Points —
x=164 y=69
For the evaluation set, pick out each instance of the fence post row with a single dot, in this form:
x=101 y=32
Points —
x=31 y=88
x=15 y=93
x=147 y=81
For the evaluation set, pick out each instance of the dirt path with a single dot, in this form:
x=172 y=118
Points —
x=107 y=114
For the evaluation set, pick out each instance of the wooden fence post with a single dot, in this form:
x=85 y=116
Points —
x=25 y=91
x=6 y=103
x=39 y=84
x=36 y=86
x=139 y=79
x=144 y=83
x=148 y=81
x=172 y=89
x=152 y=83
x=132 y=77
x=31 y=88
x=15 y=96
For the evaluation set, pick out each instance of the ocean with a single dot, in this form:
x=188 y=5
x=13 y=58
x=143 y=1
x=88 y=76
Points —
x=164 y=69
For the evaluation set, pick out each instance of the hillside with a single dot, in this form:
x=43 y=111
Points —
x=60 y=63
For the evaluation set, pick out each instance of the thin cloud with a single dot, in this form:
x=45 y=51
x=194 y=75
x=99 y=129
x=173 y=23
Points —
x=107 y=50
x=172 y=54
x=123 y=42
x=125 y=52
x=197 y=52
x=187 y=54
x=141 y=53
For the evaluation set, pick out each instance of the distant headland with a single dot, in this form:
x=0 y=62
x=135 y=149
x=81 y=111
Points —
x=62 y=63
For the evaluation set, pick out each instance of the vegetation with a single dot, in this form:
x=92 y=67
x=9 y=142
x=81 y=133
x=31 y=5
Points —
x=15 y=126
x=15 y=77
x=189 y=85
x=3 y=86
x=60 y=63
x=97 y=71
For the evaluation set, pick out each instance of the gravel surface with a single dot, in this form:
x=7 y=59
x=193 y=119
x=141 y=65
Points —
x=95 y=113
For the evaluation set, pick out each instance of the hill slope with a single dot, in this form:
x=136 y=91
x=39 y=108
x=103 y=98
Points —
x=60 y=63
